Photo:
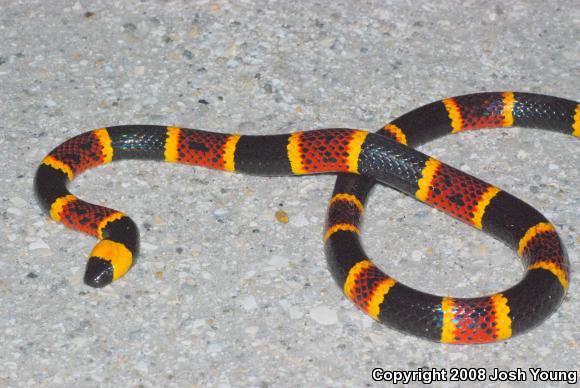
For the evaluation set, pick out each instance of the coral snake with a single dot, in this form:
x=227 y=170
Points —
x=386 y=157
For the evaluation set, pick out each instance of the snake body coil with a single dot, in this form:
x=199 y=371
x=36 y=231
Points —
x=384 y=157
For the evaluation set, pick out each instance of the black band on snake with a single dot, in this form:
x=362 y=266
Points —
x=385 y=157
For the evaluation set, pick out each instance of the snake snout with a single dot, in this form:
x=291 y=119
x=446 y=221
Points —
x=99 y=272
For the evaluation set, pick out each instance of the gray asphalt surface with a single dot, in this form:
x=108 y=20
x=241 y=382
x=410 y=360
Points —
x=224 y=294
